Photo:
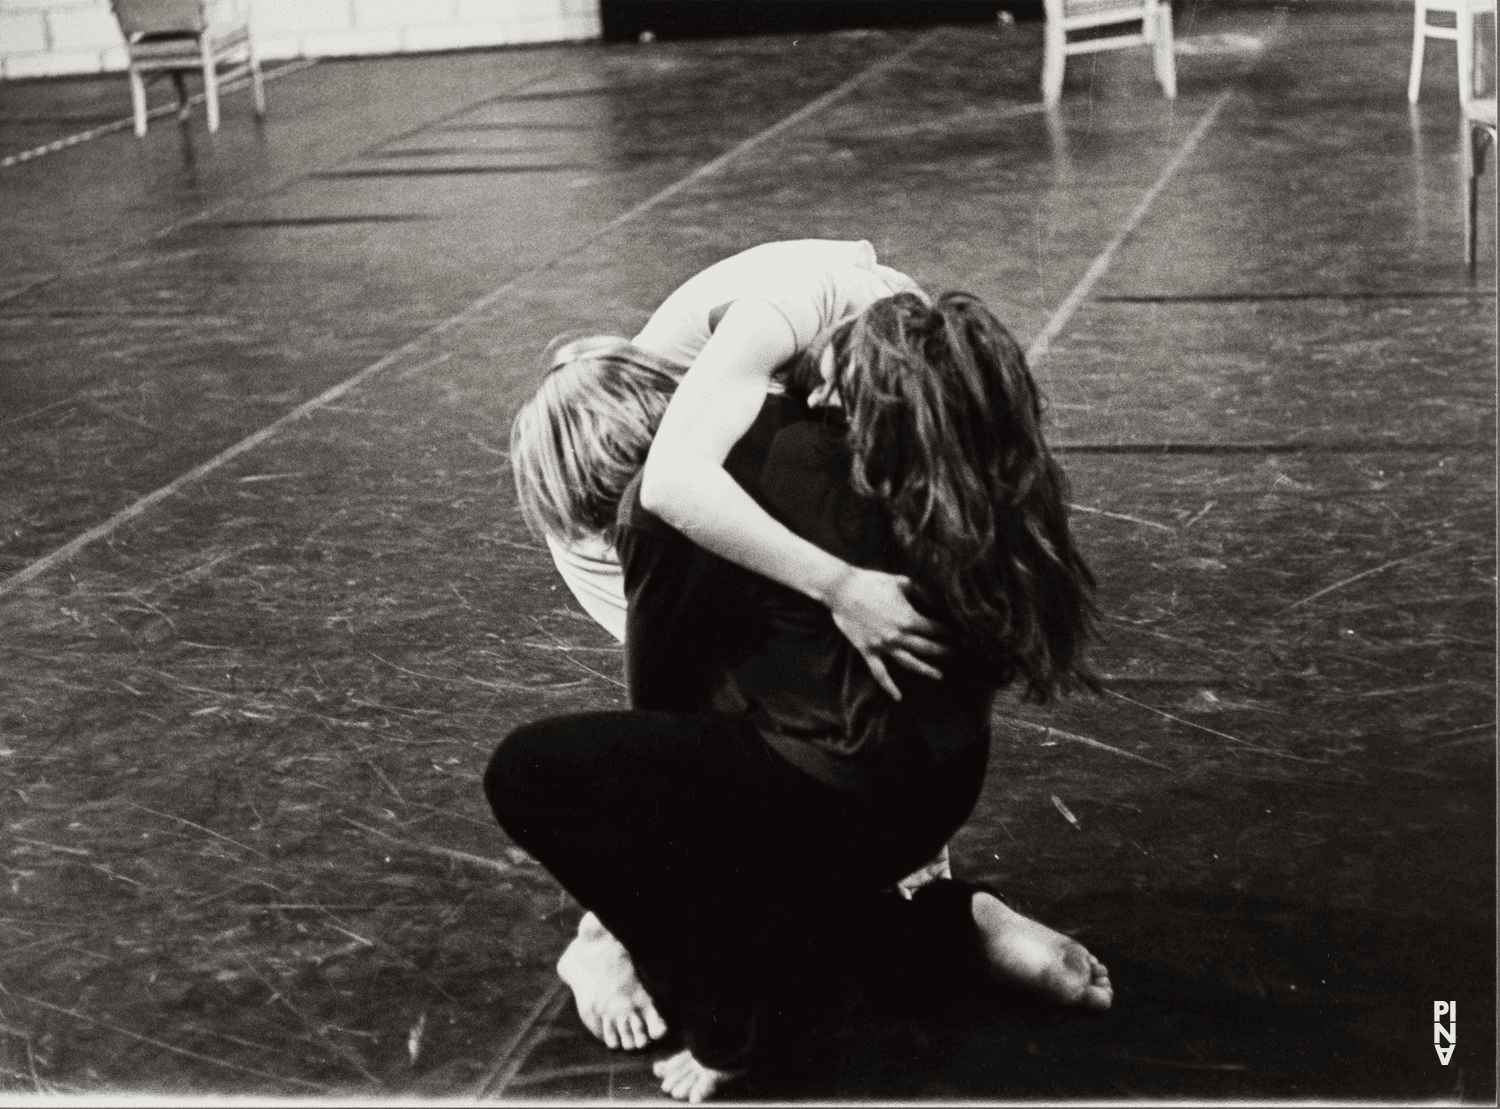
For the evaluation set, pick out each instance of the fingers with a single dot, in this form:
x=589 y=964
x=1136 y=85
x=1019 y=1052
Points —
x=881 y=674
x=921 y=645
x=916 y=665
x=914 y=620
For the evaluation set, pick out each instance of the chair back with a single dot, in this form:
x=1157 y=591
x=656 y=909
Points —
x=160 y=17
x=1097 y=13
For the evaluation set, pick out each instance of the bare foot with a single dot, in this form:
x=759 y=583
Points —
x=1022 y=952
x=612 y=1003
x=686 y=1079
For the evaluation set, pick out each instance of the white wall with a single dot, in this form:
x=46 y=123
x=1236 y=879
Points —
x=42 y=38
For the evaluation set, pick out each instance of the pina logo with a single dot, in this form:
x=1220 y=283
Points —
x=1441 y=1009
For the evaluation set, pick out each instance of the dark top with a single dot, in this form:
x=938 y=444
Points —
x=704 y=634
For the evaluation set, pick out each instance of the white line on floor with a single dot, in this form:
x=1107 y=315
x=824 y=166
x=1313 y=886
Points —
x=1064 y=311
x=92 y=535
x=121 y=124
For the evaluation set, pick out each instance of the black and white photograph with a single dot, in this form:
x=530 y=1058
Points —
x=749 y=551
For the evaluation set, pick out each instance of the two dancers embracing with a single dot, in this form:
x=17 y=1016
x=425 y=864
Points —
x=823 y=503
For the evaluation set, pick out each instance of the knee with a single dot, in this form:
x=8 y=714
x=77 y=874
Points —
x=516 y=767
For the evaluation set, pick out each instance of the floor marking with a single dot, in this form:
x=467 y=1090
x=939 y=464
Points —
x=162 y=1044
x=1059 y=733
x=438 y=171
x=322 y=221
x=150 y=500
x=1064 y=311
x=611 y=1069
x=973 y=115
x=1222 y=735
x=1367 y=573
x=1373 y=446
x=514 y=1055
x=274 y=187
x=155 y=113
x=1121 y=516
x=769 y=133
x=1261 y=298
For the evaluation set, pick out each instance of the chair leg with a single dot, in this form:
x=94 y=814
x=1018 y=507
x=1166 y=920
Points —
x=1481 y=141
x=257 y=84
x=1478 y=140
x=1464 y=34
x=1471 y=228
x=210 y=86
x=1165 y=61
x=138 y=101
x=1053 y=60
x=179 y=82
x=1418 y=45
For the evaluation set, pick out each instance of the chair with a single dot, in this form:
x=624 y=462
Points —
x=1064 y=16
x=176 y=36
x=1462 y=32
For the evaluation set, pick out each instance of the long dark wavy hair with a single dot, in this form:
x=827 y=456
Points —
x=945 y=428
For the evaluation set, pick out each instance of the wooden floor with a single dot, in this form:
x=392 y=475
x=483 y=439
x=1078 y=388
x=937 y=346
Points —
x=266 y=603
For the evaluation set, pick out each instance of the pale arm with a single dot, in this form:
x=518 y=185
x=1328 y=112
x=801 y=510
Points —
x=686 y=485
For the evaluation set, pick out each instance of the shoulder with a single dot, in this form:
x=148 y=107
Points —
x=809 y=281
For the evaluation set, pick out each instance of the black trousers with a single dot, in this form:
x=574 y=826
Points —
x=741 y=887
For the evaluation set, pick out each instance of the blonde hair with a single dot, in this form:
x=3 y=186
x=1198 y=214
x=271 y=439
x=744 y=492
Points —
x=579 y=441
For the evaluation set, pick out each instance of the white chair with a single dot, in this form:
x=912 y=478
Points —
x=178 y=36
x=1065 y=16
x=1462 y=32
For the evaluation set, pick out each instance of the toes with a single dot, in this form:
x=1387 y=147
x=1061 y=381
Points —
x=656 y=1028
x=672 y=1065
x=638 y=1038
x=677 y=1075
x=609 y=1033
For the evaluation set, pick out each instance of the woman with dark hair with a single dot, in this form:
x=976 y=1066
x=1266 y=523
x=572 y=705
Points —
x=737 y=830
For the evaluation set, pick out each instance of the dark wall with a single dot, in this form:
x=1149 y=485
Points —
x=624 y=20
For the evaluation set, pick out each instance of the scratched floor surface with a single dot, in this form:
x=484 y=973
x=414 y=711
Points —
x=242 y=726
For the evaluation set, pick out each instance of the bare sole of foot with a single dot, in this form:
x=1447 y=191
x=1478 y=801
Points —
x=1026 y=953
x=686 y=1079
x=611 y=1001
